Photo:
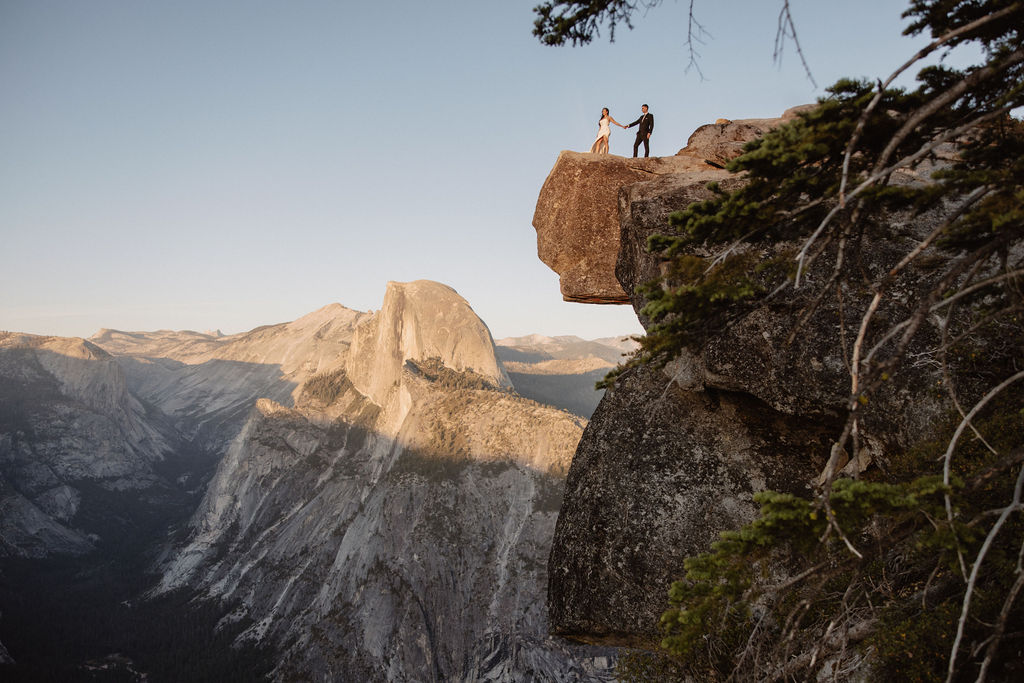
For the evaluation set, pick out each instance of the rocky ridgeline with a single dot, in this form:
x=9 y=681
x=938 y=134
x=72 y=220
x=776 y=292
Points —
x=66 y=419
x=110 y=411
x=394 y=525
x=383 y=501
x=672 y=456
x=206 y=383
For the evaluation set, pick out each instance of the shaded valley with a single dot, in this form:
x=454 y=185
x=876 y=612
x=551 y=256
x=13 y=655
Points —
x=352 y=496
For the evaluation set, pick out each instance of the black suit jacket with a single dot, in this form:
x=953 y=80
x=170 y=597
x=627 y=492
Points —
x=646 y=122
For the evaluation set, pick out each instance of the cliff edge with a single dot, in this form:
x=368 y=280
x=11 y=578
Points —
x=578 y=209
x=672 y=456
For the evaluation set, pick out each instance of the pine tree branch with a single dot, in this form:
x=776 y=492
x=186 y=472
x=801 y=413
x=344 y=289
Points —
x=945 y=99
x=921 y=54
x=949 y=134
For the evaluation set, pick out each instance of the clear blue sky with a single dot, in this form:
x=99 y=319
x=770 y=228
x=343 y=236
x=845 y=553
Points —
x=198 y=164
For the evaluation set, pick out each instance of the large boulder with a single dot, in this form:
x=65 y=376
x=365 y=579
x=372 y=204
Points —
x=663 y=467
x=720 y=142
x=577 y=218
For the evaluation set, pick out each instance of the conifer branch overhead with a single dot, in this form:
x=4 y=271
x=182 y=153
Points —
x=578 y=22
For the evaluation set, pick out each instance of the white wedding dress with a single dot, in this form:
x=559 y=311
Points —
x=605 y=131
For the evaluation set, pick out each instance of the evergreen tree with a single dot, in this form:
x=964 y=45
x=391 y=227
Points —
x=919 y=566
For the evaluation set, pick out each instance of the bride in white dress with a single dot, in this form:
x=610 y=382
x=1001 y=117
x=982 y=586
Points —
x=604 y=131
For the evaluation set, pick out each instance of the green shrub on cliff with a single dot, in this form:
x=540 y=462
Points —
x=786 y=591
x=916 y=569
x=325 y=387
x=921 y=576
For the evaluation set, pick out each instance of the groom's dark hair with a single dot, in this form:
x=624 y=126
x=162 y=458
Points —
x=644 y=105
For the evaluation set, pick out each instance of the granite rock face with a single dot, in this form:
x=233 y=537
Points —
x=672 y=456
x=661 y=469
x=363 y=558
x=644 y=209
x=420 y=320
x=394 y=524
x=577 y=219
x=720 y=142
x=67 y=420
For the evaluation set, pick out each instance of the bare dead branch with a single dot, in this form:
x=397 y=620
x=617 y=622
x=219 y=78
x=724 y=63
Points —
x=980 y=559
x=884 y=173
x=948 y=383
x=809 y=310
x=1000 y=628
x=983 y=322
x=855 y=360
x=695 y=33
x=787 y=29
x=1013 y=274
x=909 y=326
x=968 y=202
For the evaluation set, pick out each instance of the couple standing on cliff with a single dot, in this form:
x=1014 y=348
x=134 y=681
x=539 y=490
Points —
x=643 y=134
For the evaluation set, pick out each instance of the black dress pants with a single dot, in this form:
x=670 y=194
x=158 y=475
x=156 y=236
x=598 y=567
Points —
x=647 y=145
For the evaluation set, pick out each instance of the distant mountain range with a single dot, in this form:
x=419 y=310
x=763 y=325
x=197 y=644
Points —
x=562 y=371
x=360 y=496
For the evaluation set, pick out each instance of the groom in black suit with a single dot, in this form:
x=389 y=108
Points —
x=643 y=134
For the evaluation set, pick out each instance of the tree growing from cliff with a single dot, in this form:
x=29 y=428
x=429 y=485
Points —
x=920 y=565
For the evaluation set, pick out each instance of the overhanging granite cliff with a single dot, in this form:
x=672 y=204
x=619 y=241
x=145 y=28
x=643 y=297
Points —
x=672 y=456
x=578 y=211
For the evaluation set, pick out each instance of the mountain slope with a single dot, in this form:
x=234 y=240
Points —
x=382 y=505
x=394 y=525
x=208 y=383
x=67 y=421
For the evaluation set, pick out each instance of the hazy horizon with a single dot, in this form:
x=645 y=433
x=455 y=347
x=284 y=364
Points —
x=213 y=331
